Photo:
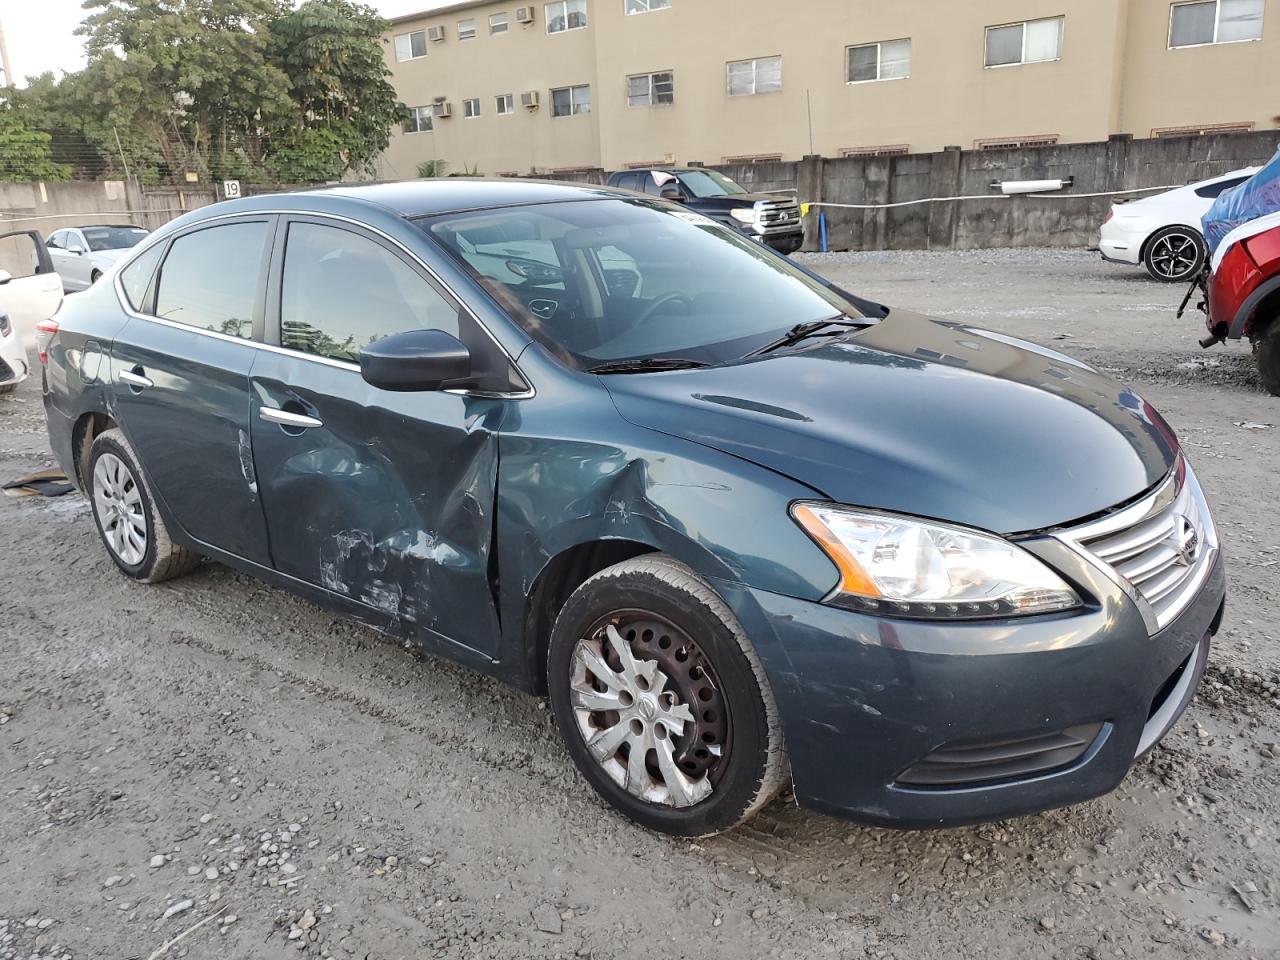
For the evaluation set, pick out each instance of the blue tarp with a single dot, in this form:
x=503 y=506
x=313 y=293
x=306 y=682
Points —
x=1256 y=197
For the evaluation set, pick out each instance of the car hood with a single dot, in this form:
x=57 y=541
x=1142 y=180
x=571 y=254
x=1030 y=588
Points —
x=109 y=257
x=922 y=417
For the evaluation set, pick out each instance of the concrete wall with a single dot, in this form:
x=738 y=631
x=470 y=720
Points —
x=52 y=206
x=1115 y=74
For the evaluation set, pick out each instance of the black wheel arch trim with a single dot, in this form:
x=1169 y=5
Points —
x=1246 y=310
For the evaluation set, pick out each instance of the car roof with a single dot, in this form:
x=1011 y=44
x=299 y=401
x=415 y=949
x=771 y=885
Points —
x=423 y=198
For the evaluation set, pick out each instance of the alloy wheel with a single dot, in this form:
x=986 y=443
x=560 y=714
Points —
x=121 y=512
x=1174 y=256
x=649 y=707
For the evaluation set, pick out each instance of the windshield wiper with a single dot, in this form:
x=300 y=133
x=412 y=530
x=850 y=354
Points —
x=646 y=365
x=811 y=328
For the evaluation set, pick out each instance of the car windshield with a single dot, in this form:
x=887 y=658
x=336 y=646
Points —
x=708 y=183
x=112 y=238
x=603 y=281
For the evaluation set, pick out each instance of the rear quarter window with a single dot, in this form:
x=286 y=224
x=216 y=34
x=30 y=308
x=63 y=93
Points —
x=1214 y=190
x=136 y=277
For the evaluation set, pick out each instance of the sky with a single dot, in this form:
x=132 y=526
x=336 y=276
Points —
x=41 y=36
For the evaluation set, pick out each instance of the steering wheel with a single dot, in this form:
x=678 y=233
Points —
x=662 y=301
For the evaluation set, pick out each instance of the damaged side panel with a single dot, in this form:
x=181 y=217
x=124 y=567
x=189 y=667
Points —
x=388 y=503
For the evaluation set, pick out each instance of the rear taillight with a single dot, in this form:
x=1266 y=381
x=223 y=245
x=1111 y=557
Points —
x=46 y=330
x=1110 y=213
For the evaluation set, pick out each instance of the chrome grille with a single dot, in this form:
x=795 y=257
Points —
x=1160 y=549
x=779 y=216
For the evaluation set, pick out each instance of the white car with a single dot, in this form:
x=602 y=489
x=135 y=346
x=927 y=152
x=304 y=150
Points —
x=1162 y=232
x=82 y=254
x=30 y=291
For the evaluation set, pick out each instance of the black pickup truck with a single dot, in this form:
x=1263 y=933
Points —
x=770 y=218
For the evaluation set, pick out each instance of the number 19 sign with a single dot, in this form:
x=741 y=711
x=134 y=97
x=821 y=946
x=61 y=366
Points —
x=231 y=189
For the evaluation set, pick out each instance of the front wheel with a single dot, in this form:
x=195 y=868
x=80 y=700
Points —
x=661 y=700
x=1174 y=254
x=1267 y=350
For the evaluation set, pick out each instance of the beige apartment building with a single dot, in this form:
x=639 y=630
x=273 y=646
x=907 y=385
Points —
x=505 y=87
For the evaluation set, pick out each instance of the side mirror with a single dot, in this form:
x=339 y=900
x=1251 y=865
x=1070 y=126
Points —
x=418 y=360
x=5 y=277
x=671 y=192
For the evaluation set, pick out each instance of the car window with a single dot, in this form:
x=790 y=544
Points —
x=136 y=277
x=623 y=279
x=709 y=183
x=55 y=241
x=73 y=241
x=113 y=238
x=210 y=279
x=631 y=181
x=342 y=291
x=1212 y=190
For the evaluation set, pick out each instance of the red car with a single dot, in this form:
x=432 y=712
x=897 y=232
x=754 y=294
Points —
x=1244 y=293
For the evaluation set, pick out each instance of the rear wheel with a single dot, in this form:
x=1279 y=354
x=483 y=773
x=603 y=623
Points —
x=1174 y=254
x=662 y=702
x=1267 y=350
x=131 y=529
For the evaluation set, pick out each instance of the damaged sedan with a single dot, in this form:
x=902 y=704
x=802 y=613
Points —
x=742 y=527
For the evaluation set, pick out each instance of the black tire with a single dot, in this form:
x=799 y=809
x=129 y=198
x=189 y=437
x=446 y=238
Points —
x=1174 y=254
x=95 y=277
x=752 y=768
x=1267 y=350
x=160 y=558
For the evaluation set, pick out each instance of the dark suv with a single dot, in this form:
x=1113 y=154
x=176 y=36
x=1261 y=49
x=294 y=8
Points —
x=770 y=218
x=741 y=525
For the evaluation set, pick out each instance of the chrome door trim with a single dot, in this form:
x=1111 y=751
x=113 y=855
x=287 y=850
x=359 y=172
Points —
x=118 y=285
x=288 y=419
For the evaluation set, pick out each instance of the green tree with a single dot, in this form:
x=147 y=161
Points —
x=24 y=152
x=344 y=108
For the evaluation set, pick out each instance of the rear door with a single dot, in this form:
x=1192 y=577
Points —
x=180 y=374
x=383 y=498
x=32 y=291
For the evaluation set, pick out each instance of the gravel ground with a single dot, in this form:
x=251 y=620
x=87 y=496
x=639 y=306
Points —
x=214 y=756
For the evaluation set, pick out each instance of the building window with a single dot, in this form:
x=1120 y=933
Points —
x=471 y=108
x=566 y=15
x=1034 y=41
x=568 y=101
x=1015 y=143
x=505 y=104
x=1214 y=21
x=887 y=60
x=888 y=150
x=467 y=29
x=644 y=6
x=411 y=46
x=650 y=89
x=498 y=23
x=419 y=120
x=749 y=77
x=755 y=158
x=1203 y=130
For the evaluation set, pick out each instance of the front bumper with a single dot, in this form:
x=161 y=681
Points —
x=864 y=700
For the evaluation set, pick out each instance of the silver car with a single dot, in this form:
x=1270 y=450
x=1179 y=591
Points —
x=82 y=254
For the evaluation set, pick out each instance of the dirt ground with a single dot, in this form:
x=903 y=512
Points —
x=215 y=752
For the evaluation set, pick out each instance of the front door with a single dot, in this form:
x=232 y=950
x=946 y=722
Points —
x=383 y=498
x=181 y=380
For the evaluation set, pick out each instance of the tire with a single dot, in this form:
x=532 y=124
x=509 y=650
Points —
x=122 y=502
x=733 y=745
x=1267 y=350
x=95 y=277
x=1174 y=254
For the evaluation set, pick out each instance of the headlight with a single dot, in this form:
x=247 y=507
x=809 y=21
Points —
x=5 y=327
x=748 y=215
x=913 y=568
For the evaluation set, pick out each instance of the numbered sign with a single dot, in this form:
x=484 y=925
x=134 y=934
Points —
x=231 y=189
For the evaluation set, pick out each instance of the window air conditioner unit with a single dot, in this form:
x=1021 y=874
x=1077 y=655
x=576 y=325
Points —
x=442 y=108
x=530 y=100
x=435 y=34
x=524 y=14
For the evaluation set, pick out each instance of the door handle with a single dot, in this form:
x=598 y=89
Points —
x=285 y=418
x=135 y=379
